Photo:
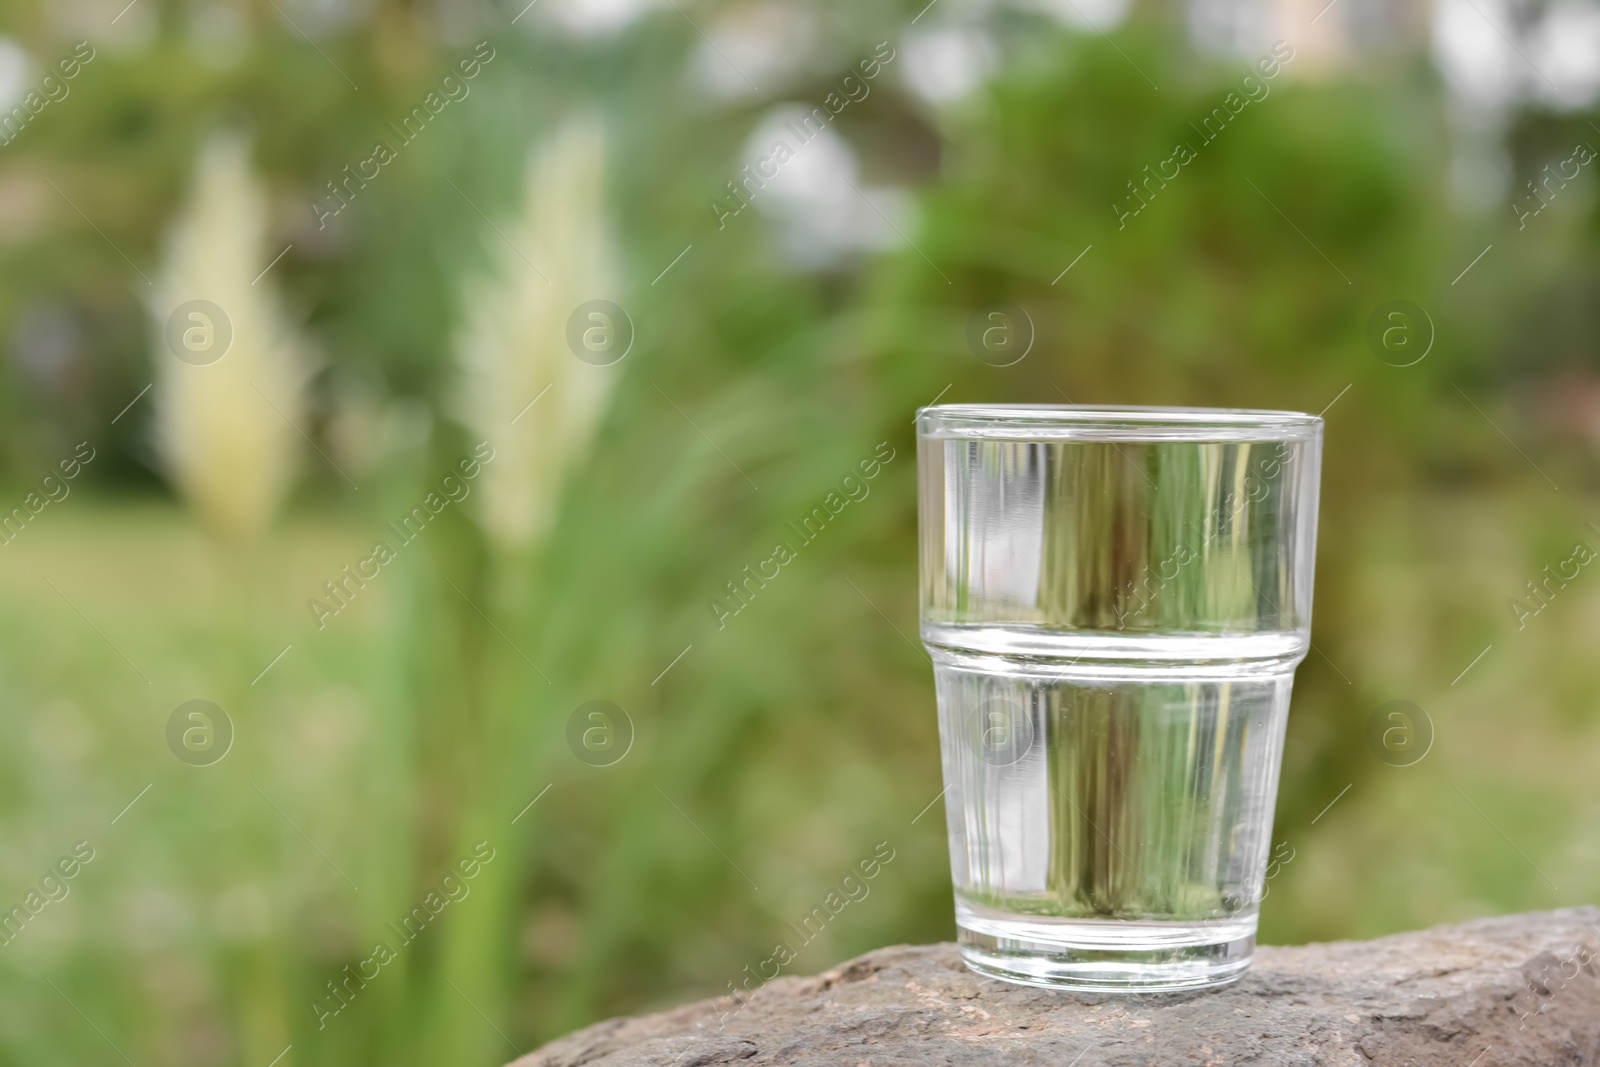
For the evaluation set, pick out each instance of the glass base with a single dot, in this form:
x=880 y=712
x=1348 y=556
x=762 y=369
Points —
x=1105 y=955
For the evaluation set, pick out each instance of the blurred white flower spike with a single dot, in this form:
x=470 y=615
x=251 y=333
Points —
x=541 y=342
x=230 y=370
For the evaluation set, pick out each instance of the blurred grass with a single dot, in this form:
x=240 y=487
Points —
x=203 y=896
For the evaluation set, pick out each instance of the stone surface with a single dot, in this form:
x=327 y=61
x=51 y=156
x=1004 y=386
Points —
x=1520 y=989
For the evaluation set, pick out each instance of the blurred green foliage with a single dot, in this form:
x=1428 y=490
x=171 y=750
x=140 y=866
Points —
x=791 y=739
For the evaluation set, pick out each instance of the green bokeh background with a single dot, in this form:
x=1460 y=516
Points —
x=786 y=744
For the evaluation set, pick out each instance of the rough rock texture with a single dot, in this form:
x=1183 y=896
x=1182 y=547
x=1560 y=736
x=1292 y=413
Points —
x=1521 y=989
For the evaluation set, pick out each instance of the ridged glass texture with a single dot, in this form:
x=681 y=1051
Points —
x=1115 y=601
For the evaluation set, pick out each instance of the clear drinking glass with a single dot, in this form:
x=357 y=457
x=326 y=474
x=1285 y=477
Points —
x=1115 y=600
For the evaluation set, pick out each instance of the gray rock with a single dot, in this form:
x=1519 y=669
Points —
x=1520 y=989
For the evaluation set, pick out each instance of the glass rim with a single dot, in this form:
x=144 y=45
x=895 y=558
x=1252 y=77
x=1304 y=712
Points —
x=1114 y=422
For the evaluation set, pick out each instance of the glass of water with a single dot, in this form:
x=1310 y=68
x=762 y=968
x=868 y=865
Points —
x=1115 y=600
